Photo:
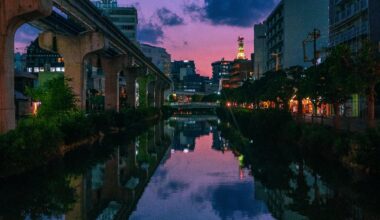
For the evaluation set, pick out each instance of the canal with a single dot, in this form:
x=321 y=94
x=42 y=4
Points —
x=187 y=168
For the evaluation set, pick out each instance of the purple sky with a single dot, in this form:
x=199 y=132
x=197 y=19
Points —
x=200 y=30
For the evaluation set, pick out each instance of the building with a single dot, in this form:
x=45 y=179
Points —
x=125 y=18
x=159 y=56
x=353 y=21
x=40 y=60
x=260 y=50
x=241 y=70
x=182 y=68
x=286 y=28
x=221 y=70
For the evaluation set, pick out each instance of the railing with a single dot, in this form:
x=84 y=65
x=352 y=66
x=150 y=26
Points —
x=194 y=105
x=346 y=123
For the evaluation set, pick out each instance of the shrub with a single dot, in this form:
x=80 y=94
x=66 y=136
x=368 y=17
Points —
x=74 y=126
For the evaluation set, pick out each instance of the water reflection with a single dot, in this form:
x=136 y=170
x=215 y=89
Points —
x=189 y=168
x=98 y=182
x=202 y=179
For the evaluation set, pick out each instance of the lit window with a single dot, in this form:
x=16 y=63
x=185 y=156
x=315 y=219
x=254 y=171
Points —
x=36 y=69
x=52 y=69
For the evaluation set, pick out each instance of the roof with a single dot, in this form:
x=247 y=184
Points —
x=20 y=96
x=25 y=75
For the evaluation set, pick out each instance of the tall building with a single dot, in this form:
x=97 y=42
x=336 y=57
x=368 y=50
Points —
x=241 y=53
x=353 y=21
x=125 y=18
x=260 y=50
x=287 y=27
x=221 y=70
x=241 y=71
x=159 y=56
x=182 y=68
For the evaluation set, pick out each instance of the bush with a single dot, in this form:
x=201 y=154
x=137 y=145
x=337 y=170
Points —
x=74 y=126
x=365 y=150
x=30 y=144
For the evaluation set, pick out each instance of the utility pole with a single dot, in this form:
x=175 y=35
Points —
x=312 y=38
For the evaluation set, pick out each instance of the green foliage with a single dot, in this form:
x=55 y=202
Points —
x=30 y=144
x=365 y=150
x=74 y=126
x=55 y=96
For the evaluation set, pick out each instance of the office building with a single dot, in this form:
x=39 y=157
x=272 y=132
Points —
x=125 y=18
x=182 y=68
x=286 y=28
x=352 y=22
x=159 y=56
x=260 y=50
x=221 y=70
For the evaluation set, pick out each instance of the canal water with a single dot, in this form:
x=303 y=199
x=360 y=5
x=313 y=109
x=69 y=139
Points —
x=186 y=168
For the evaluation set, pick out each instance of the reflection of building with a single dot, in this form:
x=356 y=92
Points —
x=111 y=189
x=186 y=132
x=286 y=28
x=125 y=18
x=159 y=56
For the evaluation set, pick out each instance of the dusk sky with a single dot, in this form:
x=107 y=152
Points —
x=200 y=30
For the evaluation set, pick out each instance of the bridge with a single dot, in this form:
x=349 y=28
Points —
x=194 y=105
x=81 y=35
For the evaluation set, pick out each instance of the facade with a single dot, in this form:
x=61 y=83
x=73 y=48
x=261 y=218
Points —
x=159 y=56
x=125 y=18
x=40 y=60
x=287 y=27
x=182 y=68
x=221 y=70
x=353 y=21
x=260 y=50
x=241 y=71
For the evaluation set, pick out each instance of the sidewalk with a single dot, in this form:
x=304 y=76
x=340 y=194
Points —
x=348 y=124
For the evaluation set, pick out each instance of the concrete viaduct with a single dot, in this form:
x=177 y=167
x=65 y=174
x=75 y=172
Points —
x=81 y=35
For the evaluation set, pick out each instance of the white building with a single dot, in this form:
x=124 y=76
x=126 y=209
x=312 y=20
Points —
x=288 y=25
x=260 y=50
x=159 y=56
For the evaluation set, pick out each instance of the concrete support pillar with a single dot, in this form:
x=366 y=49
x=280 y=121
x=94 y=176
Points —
x=112 y=68
x=130 y=78
x=159 y=94
x=12 y=15
x=74 y=49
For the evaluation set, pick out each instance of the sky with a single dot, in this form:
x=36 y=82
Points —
x=201 y=30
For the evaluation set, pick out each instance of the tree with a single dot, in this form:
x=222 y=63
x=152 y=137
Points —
x=368 y=68
x=341 y=82
x=56 y=96
x=279 y=88
x=298 y=78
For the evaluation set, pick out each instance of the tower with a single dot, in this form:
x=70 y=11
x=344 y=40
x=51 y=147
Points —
x=241 y=53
